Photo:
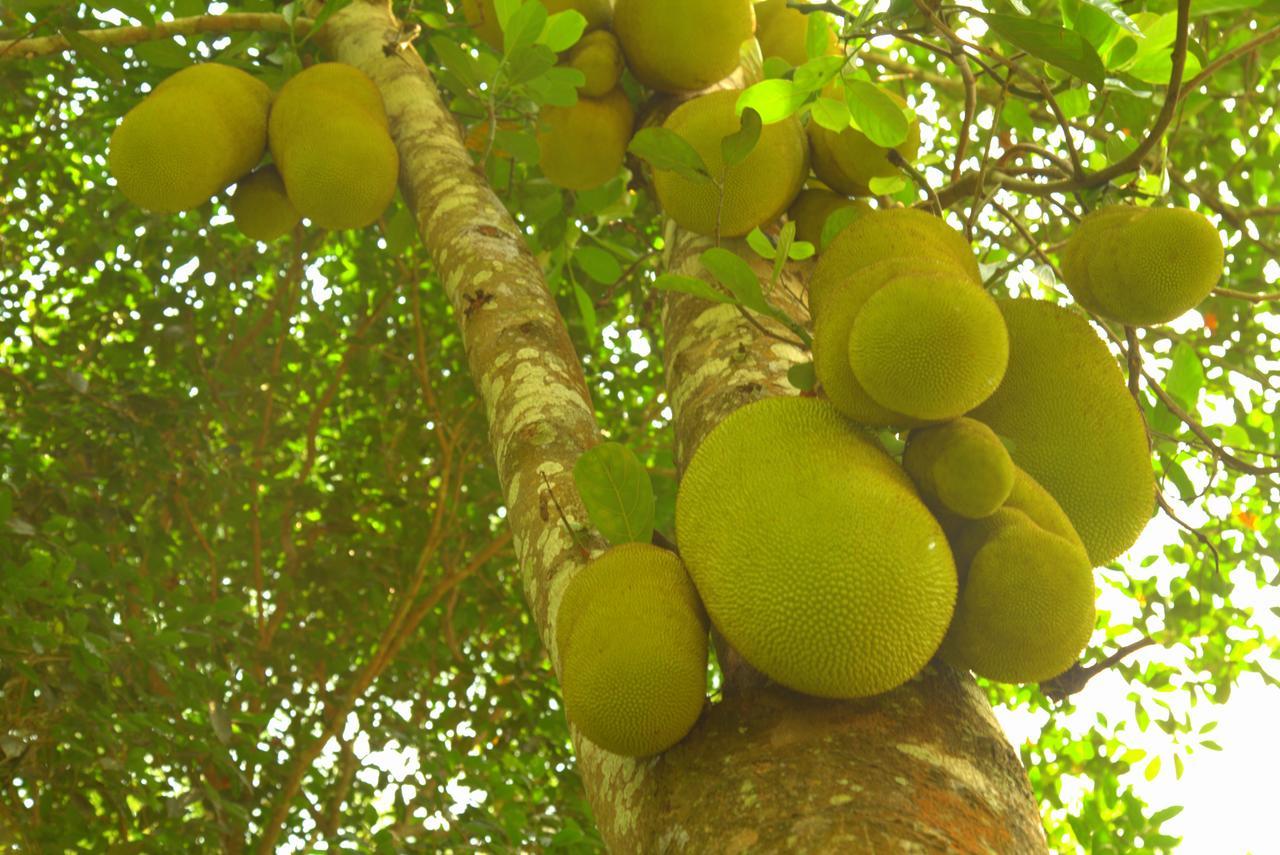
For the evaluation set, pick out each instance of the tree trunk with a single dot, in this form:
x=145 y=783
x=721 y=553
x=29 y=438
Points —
x=924 y=768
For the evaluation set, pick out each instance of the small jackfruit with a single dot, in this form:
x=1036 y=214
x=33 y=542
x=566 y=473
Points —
x=905 y=234
x=814 y=206
x=961 y=466
x=261 y=206
x=756 y=190
x=583 y=145
x=1143 y=266
x=482 y=17
x=784 y=33
x=632 y=640
x=682 y=45
x=1026 y=605
x=329 y=140
x=599 y=58
x=1071 y=424
x=848 y=160
x=812 y=552
x=198 y=131
x=929 y=347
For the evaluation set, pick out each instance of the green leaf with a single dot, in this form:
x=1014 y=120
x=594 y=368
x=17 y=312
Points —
x=562 y=30
x=330 y=7
x=524 y=26
x=96 y=55
x=731 y=271
x=691 y=285
x=1116 y=14
x=457 y=60
x=773 y=99
x=1186 y=377
x=663 y=148
x=875 y=113
x=557 y=87
x=528 y=62
x=882 y=185
x=1153 y=769
x=617 y=493
x=1211 y=745
x=162 y=54
x=1055 y=45
x=1074 y=103
x=139 y=9
x=601 y=265
x=830 y=113
x=761 y=244
x=587 y=309
x=802 y=376
x=836 y=222
x=817 y=36
x=1166 y=814
x=735 y=147
x=786 y=237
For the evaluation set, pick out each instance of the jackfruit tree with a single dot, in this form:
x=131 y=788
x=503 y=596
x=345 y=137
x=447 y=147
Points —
x=573 y=425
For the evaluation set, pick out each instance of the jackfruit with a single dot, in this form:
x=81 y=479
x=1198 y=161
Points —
x=1143 y=266
x=848 y=160
x=812 y=552
x=483 y=18
x=931 y=348
x=632 y=639
x=583 y=145
x=599 y=58
x=329 y=140
x=813 y=207
x=961 y=466
x=261 y=206
x=1071 y=424
x=198 y=131
x=1026 y=605
x=756 y=191
x=682 y=45
x=833 y=319
x=785 y=33
x=895 y=233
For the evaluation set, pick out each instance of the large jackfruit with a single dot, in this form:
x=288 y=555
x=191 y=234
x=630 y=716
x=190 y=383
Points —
x=1071 y=424
x=961 y=466
x=632 y=639
x=756 y=191
x=583 y=145
x=931 y=348
x=682 y=45
x=903 y=332
x=329 y=139
x=197 y=132
x=812 y=552
x=1142 y=266
x=848 y=160
x=261 y=206
x=1026 y=605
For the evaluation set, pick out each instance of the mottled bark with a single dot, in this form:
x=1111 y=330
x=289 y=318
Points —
x=921 y=769
x=518 y=351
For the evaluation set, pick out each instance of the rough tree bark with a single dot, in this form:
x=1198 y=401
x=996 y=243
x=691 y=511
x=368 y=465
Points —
x=924 y=768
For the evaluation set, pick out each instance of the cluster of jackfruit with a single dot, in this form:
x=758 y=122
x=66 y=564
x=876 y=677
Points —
x=208 y=126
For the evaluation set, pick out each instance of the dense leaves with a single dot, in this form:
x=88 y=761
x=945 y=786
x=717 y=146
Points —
x=254 y=569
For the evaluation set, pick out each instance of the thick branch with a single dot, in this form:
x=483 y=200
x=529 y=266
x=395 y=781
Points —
x=235 y=22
